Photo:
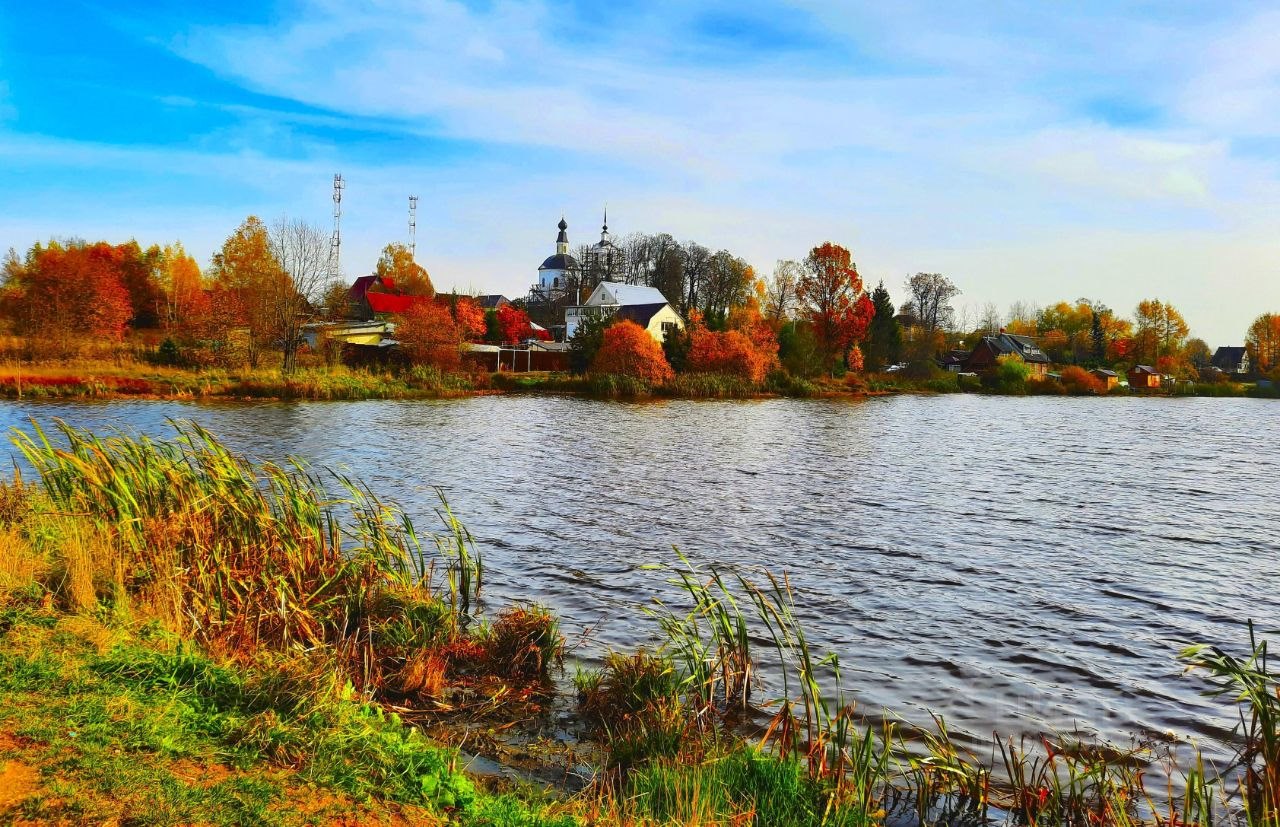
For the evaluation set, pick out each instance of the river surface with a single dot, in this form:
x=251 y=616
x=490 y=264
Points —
x=1021 y=565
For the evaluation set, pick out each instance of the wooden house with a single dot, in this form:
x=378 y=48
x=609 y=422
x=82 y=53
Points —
x=1109 y=378
x=985 y=355
x=1231 y=360
x=1144 y=376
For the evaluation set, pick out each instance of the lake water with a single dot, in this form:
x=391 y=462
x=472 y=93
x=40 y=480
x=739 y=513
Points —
x=1025 y=565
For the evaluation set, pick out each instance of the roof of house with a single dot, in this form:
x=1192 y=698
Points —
x=492 y=301
x=1023 y=346
x=634 y=294
x=360 y=287
x=1144 y=369
x=1103 y=372
x=956 y=357
x=641 y=314
x=1229 y=357
x=391 y=303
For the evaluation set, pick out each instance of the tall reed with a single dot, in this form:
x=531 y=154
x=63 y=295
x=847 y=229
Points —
x=250 y=555
x=1255 y=689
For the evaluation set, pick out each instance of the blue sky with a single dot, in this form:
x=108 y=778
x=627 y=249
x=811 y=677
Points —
x=1032 y=152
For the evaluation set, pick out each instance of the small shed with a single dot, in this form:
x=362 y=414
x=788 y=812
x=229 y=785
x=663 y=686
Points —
x=1109 y=378
x=1144 y=376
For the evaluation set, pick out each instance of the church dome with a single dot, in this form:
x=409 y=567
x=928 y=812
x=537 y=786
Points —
x=559 y=261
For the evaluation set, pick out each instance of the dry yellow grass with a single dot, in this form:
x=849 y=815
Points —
x=20 y=565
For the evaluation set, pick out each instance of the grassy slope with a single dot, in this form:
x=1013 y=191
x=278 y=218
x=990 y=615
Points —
x=103 y=724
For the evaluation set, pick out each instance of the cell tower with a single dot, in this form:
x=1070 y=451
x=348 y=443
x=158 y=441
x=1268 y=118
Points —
x=413 y=226
x=335 y=244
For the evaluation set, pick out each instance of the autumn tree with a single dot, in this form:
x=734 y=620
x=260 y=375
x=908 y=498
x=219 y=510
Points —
x=837 y=308
x=930 y=301
x=410 y=278
x=336 y=301
x=60 y=294
x=1161 y=331
x=627 y=349
x=183 y=297
x=884 y=335
x=1197 y=353
x=514 y=325
x=780 y=297
x=1262 y=342
x=140 y=273
x=303 y=253
x=468 y=315
x=246 y=268
x=428 y=335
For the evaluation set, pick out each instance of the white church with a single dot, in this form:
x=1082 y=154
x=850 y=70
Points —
x=646 y=306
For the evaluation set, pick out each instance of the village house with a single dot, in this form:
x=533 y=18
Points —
x=646 y=306
x=954 y=361
x=987 y=352
x=1144 y=376
x=371 y=297
x=1109 y=378
x=1231 y=360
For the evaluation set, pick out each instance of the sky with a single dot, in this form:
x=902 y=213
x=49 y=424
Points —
x=1031 y=152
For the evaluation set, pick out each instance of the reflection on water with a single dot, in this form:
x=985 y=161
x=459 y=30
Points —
x=1025 y=564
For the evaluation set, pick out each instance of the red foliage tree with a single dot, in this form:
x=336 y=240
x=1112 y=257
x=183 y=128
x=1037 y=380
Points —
x=837 y=307
x=428 y=336
x=516 y=327
x=628 y=350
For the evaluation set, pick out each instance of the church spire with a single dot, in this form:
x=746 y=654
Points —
x=562 y=240
x=604 y=228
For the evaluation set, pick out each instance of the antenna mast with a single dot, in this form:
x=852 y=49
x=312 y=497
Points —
x=413 y=226
x=335 y=243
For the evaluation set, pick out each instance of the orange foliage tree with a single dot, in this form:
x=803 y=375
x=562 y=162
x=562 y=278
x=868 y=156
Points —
x=838 y=309
x=729 y=352
x=62 y=294
x=1077 y=380
x=468 y=315
x=1263 y=343
x=428 y=336
x=627 y=349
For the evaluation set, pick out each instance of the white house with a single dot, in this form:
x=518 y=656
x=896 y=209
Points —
x=646 y=306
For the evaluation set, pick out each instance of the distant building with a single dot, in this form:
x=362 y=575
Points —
x=559 y=271
x=954 y=361
x=1231 y=359
x=374 y=296
x=1109 y=378
x=987 y=352
x=1144 y=376
x=646 y=306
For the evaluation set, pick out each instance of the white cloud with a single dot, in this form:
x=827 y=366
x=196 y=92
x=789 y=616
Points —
x=925 y=139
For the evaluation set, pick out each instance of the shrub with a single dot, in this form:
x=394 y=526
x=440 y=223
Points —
x=730 y=353
x=628 y=350
x=428 y=336
x=1079 y=381
x=1010 y=375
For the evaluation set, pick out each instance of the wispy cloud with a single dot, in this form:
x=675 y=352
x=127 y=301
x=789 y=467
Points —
x=925 y=137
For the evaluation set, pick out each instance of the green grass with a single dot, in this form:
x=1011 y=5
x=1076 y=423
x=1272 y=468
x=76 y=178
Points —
x=155 y=732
